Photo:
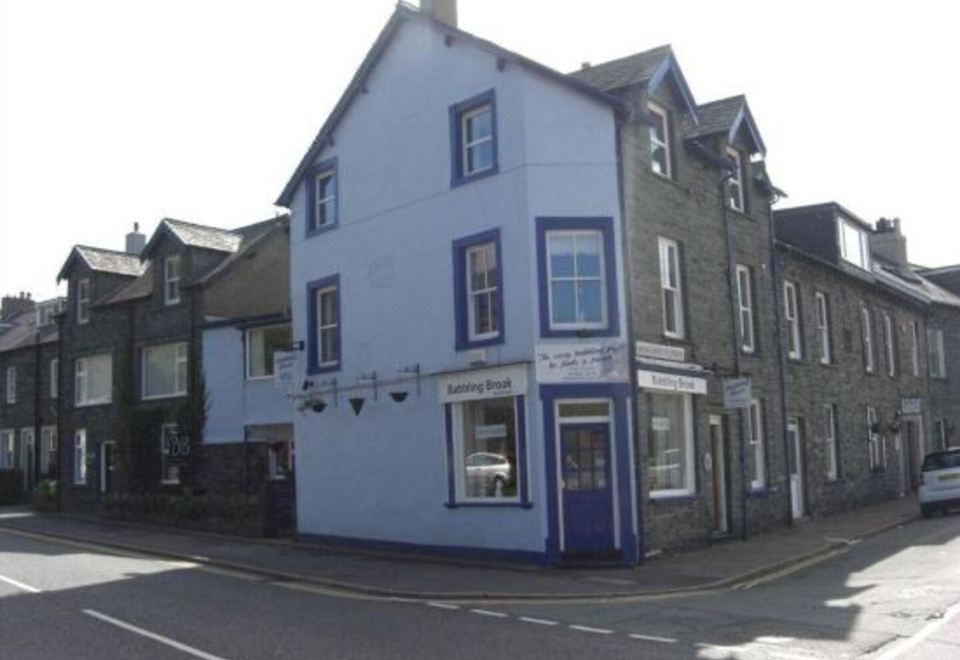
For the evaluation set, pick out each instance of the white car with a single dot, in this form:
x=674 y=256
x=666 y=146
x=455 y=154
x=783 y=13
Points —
x=488 y=474
x=940 y=481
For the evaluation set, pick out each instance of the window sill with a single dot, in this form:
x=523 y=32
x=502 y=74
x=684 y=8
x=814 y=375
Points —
x=674 y=499
x=795 y=360
x=515 y=504
x=323 y=368
x=161 y=397
x=169 y=482
x=322 y=229
x=259 y=379
x=461 y=180
x=470 y=344
x=737 y=213
x=766 y=491
x=579 y=333
x=92 y=404
x=172 y=303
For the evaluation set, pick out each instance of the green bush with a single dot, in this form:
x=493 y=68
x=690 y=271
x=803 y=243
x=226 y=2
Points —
x=11 y=487
x=45 y=495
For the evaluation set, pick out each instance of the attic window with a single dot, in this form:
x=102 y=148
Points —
x=171 y=280
x=474 y=135
x=83 y=301
x=854 y=244
x=659 y=141
x=735 y=182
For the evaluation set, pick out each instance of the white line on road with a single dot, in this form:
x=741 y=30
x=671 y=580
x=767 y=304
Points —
x=653 y=638
x=19 y=585
x=540 y=622
x=443 y=606
x=599 y=631
x=498 y=615
x=150 y=635
x=912 y=641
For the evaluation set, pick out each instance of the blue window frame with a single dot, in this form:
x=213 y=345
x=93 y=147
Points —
x=473 y=138
x=478 y=290
x=324 y=325
x=576 y=265
x=323 y=199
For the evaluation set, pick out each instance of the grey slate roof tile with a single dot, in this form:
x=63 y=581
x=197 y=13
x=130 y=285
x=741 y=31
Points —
x=202 y=236
x=624 y=71
x=110 y=261
x=716 y=117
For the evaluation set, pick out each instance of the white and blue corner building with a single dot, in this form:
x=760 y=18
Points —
x=456 y=283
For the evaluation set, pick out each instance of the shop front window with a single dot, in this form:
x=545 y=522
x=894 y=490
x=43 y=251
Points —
x=488 y=448
x=670 y=445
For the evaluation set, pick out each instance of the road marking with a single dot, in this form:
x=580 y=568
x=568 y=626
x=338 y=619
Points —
x=542 y=622
x=498 y=615
x=154 y=636
x=599 y=631
x=925 y=632
x=19 y=585
x=653 y=638
x=444 y=606
x=789 y=656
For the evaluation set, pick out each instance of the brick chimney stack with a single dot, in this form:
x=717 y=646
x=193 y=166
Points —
x=444 y=11
x=14 y=305
x=888 y=243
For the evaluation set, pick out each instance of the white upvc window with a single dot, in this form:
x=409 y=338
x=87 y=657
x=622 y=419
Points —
x=854 y=243
x=93 y=380
x=80 y=457
x=745 y=308
x=822 y=314
x=483 y=292
x=164 y=371
x=735 y=182
x=174 y=448
x=48 y=451
x=757 y=469
x=83 y=301
x=660 y=156
x=866 y=336
x=671 y=288
x=7 y=449
x=575 y=272
x=54 y=378
x=791 y=314
x=670 y=453
x=486 y=450
x=328 y=326
x=915 y=348
x=831 y=459
x=262 y=343
x=11 y=389
x=326 y=194
x=876 y=445
x=938 y=365
x=171 y=280
x=476 y=129
x=890 y=344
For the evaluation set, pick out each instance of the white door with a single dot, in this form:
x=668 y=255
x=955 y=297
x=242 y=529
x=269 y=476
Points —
x=796 y=468
x=718 y=474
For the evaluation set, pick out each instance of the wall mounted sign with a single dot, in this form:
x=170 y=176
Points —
x=482 y=384
x=664 y=382
x=737 y=393
x=284 y=369
x=646 y=349
x=593 y=362
x=911 y=406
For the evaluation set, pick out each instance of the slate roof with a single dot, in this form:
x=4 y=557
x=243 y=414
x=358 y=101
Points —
x=20 y=331
x=253 y=235
x=717 y=116
x=632 y=69
x=202 y=236
x=104 y=261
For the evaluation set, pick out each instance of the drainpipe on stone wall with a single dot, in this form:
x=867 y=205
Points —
x=627 y=289
x=37 y=417
x=61 y=406
x=728 y=236
x=781 y=358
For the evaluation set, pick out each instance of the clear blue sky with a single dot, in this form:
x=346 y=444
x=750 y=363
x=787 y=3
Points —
x=115 y=111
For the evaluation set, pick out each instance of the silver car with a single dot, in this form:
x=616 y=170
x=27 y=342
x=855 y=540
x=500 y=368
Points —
x=488 y=474
x=940 y=481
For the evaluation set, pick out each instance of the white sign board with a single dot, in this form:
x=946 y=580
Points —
x=593 y=362
x=482 y=384
x=911 y=406
x=646 y=349
x=285 y=369
x=664 y=382
x=737 y=393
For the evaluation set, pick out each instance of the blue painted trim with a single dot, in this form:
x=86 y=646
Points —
x=671 y=66
x=460 y=301
x=605 y=227
x=419 y=550
x=311 y=214
x=313 y=349
x=620 y=394
x=457 y=176
x=522 y=476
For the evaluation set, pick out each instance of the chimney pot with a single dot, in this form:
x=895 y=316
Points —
x=135 y=240
x=444 y=11
x=585 y=65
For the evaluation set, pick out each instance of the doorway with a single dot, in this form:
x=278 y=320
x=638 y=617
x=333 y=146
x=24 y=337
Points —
x=914 y=452
x=718 y=471
x=107 y=465
x=794 y=442
x=27 y=458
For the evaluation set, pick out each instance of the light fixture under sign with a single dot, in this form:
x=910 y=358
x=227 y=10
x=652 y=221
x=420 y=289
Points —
x=399 y=397
x=357 y=404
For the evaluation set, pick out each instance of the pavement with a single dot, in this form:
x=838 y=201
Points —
x=723 y=565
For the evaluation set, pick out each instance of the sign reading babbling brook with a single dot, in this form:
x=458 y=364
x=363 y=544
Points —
x=483 y=384
x=596 y=362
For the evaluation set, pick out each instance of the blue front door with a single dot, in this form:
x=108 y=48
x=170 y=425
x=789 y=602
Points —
x=587 y=492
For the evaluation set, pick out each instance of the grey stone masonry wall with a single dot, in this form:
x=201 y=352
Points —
x=845 y=383
x=688 y=208
x=944 y=429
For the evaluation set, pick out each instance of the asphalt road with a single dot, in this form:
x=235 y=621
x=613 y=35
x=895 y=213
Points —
x=896 y=595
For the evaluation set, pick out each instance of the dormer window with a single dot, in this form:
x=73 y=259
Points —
x=171 y=280
x=659 y=141
x=854 y=243
x=735 y=182
x=83 y=301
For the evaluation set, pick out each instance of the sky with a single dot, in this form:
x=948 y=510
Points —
x=114 y=112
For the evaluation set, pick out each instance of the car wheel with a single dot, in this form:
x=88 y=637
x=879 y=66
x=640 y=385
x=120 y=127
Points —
x=926 y=510
x=499 y=484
